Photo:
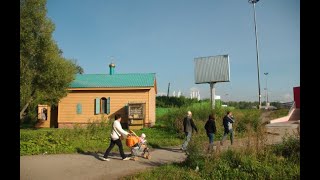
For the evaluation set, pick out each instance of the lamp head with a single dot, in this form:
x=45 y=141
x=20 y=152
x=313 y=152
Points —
x=253 y=1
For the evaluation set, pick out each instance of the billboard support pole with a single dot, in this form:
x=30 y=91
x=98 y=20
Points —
x=213 y=94
x=211 y=70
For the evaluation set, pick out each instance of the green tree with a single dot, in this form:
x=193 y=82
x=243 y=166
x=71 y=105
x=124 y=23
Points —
x=44 y=73
x=79 y=69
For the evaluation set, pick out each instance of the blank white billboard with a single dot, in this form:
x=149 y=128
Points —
x=212 y=69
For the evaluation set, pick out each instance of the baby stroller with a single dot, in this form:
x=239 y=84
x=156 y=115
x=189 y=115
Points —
x=138 y=146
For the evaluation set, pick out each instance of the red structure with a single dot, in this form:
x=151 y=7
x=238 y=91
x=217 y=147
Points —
x=296 y=96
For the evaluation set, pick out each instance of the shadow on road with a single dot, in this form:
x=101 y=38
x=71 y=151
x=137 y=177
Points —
x=172 y=149
x=151 y=163
x=157 y=163
x=98 y=155
x=94 y=154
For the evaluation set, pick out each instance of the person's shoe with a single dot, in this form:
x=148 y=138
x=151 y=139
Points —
x=127 y=158
x=105 y=159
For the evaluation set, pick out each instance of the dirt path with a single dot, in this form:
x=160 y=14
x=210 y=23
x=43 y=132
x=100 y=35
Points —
x=82 y=166
x=265 y=116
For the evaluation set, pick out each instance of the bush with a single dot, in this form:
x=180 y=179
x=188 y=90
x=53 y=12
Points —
x=53 y=141
x=195 y=150
x=44 y=142
x=290 y=148
x=245 y=119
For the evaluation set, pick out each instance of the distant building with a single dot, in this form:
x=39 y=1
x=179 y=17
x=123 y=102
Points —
x=195 y=95
x=179 y=93
x=286 y=104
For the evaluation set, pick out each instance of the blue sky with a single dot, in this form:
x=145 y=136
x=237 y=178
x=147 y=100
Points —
x=164 y=37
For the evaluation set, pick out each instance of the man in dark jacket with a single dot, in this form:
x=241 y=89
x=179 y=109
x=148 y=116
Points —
x=227 y=124
x=211 y=129
x=188 y=126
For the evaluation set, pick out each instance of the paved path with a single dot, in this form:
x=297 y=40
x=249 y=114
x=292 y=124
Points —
x=90 y=167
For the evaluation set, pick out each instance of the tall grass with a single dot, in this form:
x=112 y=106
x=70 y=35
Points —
x=173 y=118
x=251 y=158
x=254 y=161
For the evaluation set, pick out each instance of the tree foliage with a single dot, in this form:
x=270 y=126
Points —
x=79 y=69
x=44 y=73
x=242 y=104
x=164 y=101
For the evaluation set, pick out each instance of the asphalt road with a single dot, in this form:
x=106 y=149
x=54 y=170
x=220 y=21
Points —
x=90 y=166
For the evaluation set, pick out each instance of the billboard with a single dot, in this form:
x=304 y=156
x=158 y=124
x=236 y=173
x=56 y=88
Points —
x=212 y=69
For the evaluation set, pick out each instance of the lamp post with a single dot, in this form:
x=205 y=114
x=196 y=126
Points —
x=253 y=2
x=266 y=73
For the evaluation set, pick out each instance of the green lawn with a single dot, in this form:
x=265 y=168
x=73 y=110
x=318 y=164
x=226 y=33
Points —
x=95 y=138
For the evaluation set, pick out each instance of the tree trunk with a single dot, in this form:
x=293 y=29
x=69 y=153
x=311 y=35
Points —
x=24 y=108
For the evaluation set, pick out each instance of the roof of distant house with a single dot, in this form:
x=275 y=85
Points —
x=114 y=80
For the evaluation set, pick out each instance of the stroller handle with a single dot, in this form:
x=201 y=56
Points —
x=131 y=132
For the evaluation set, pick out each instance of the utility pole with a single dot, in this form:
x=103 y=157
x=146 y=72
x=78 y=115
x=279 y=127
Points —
x=253 y=2
x=267 y=101
x=168 y=89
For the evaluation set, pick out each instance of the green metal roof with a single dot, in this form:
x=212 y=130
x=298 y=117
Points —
x=115 y=80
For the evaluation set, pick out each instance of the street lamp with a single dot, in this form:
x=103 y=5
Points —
x=253 y=2
x=266 y=89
